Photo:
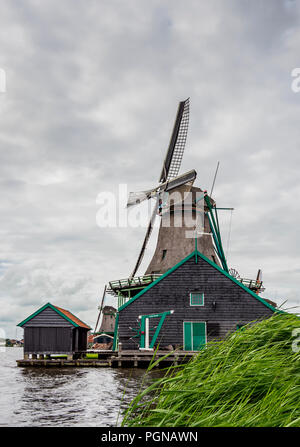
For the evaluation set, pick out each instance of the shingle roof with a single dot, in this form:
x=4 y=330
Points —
x=72 y=317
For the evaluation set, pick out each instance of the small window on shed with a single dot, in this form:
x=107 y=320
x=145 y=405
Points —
x=196 y=299
x=164 y=252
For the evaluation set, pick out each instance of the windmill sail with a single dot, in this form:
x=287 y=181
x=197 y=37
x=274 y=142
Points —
x=176 y=147
x=100 y=309
x=138 y=197
x=148 y=234
x=171 y=165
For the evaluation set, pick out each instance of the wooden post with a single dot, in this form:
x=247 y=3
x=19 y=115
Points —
x=70 y=357
x=120 y=347
x=26 y=356
x=76 y=339
x=33 y=356
x=41 y=356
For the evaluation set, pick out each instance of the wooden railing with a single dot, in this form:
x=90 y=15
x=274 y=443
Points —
x=136 y=281
x=252 y=284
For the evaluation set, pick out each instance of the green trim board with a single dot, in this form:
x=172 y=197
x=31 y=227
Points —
x=115 y=342
x=215 y=228
x=143 y=318
x=53 y=308
x=196 y=253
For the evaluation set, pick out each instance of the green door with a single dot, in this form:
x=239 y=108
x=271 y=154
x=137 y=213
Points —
x=194 y=335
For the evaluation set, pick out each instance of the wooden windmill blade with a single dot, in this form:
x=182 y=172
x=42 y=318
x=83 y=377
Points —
x=137 y=197
x=100 y=309
x=176 y=147
x=146 y=239
x=170 y=167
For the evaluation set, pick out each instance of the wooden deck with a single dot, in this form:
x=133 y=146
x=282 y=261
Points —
x=123 y=359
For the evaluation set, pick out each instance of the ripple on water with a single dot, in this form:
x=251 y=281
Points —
x=64 y=396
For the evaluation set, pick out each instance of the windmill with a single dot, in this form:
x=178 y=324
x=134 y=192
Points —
x=173 y=243
x=174 y=196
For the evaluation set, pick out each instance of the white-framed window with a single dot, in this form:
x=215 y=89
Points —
x=196 y=299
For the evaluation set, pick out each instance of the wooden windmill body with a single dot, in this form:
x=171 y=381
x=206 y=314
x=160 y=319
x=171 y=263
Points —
x=180 y=232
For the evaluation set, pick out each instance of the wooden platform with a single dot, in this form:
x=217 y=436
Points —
x=124 y=359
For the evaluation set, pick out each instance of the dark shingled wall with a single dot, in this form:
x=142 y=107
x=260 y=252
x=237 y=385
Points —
x=48 y=317
x=233 y=305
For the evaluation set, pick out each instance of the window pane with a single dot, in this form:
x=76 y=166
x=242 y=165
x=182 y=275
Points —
x=198 y=336
x=197 y=299
x=187 y=336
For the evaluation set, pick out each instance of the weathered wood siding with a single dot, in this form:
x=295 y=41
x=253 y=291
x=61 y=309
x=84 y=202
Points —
x=79 y=339
x=48 y=317
x=233 y=305
x=48 y=333
x=47 y=340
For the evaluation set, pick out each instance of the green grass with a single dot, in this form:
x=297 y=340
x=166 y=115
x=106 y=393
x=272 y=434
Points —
x=251 y=379
x=91 y=355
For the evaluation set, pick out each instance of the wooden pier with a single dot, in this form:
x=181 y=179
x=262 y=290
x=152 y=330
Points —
x=123 y=359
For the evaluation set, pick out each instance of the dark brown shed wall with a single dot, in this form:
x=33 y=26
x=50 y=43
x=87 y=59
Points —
x=47 y=340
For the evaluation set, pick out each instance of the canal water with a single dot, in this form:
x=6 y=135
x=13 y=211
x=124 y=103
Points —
x=68 y=397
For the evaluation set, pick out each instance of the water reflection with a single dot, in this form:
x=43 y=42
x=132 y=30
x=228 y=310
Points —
x=65 y=396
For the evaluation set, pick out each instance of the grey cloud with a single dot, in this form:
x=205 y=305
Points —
x=92 y=91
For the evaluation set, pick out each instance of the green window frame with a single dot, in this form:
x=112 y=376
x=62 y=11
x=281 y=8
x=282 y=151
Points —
x=196 y=299
x=194 y=335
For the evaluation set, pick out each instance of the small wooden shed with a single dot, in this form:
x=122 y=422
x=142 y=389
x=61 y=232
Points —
x=53 y=330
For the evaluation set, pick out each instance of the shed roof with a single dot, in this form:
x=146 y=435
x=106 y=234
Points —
x=196 y=253
x=66 y=314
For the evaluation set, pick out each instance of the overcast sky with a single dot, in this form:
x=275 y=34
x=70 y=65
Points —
x=92 y=92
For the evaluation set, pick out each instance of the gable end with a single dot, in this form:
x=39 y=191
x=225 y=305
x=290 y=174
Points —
x=195 y=254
